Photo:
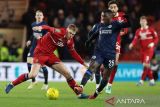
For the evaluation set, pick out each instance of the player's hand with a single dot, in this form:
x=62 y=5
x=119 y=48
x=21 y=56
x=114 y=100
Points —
x=37 y=28
x=151 y=45
x=130 y=46
x=121 y=33
x=85 y=65
x=28 y=43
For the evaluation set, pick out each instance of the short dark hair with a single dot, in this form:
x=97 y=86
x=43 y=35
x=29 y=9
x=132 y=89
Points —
x=107 y=11
x=112 y=2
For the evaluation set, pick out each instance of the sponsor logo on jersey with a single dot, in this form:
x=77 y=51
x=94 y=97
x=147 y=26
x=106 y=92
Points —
x=143 y=35
x=109 y=26
x=105 y=31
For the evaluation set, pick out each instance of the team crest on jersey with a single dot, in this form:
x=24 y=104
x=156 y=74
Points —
x=57 y=30
x=109 y=26
x=94 y=57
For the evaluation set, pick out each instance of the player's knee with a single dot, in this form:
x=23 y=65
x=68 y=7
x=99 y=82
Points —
x=116 y=62
x=31 y=75
x=93 y=68
x=147 y=65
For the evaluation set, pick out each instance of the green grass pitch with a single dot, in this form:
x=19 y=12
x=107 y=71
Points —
x=21 y=97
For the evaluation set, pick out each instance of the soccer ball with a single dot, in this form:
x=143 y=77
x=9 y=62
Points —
x=52 y=94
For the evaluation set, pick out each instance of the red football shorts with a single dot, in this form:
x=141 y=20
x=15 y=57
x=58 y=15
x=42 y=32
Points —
x=45 y=59
x=147 y=55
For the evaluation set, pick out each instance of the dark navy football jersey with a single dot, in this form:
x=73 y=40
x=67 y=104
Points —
x=107 y=36
x=35 y=35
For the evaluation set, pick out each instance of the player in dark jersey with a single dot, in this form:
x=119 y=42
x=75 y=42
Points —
x=33 y=42
x=105 y=50
x=118 y=16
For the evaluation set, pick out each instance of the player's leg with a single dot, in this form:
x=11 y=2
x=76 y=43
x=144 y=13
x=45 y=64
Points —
x=23 y=77
x=94 y=65
x=103 y=83
x=150 y=75
x=45 y=73
x=144 y=73
x=55 y=63
x=60 y=67
x=150 y=72
x=109 y=85
x=146 y=70
x=97 y=78
x=29 y=64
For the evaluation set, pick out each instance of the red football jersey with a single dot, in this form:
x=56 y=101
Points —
x=56 y=37
x=146 y=36
x=119 y=17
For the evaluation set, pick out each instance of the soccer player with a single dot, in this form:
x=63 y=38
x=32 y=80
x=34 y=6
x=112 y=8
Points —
x=118 y=16
x=148 y=40
x=105 y=50
x=43 y=55
x=33 y=42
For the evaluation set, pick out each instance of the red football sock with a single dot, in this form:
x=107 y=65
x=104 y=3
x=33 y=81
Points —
x=20 y=79
x=150 y=74
x=112 y=75
x=144 y=74
x=72 y=83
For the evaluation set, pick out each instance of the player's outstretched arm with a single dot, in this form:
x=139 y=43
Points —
x=48 y=28
x=93 y=34
x=43 y=27
x=74 y=53
x=136 y=38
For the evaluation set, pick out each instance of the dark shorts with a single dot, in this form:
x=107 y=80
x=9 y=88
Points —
x=103 y=58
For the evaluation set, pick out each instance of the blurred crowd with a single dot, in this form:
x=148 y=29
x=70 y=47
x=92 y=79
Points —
x=10 y=52
x=85 y=13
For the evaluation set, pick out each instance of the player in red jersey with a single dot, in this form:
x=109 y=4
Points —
x=43 y=55
x=118 y=16
x=148 y=40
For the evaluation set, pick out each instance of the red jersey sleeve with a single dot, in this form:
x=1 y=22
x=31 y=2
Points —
x=136 y=38
x=74 y=54
x=48 y=28
x=155 y=36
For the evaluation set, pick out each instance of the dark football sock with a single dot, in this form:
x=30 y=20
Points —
x=86 y=77
x=29 y=69
x=97 y=77
x=102 y=85
x=45 y=73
